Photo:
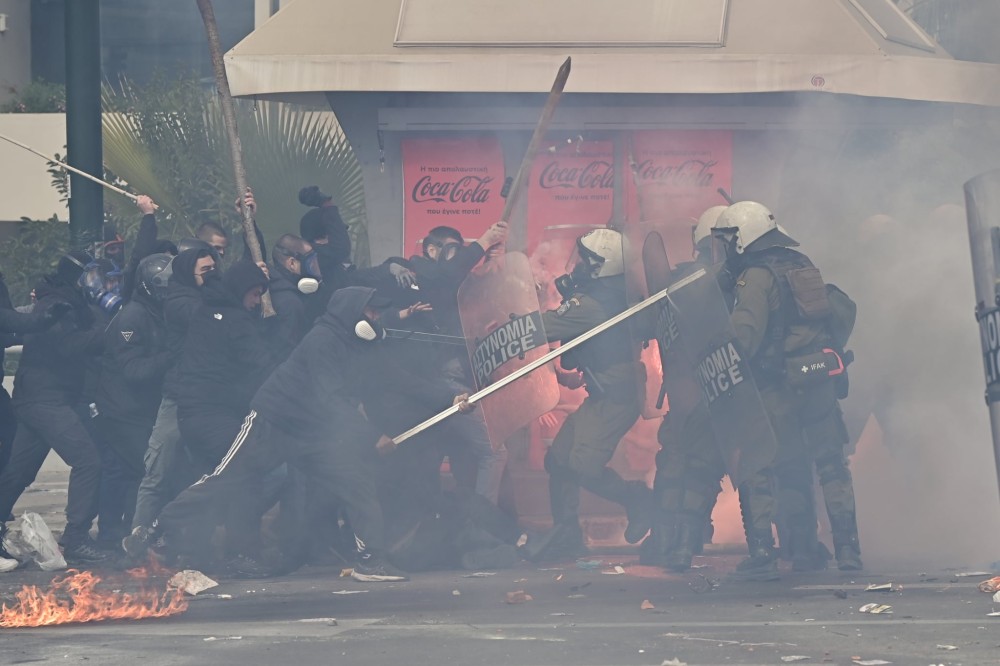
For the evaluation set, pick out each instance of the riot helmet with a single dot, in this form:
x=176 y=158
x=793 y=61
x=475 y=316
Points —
x=153 y=275
x=746 y=222
x=701 y=234
x=101 y=284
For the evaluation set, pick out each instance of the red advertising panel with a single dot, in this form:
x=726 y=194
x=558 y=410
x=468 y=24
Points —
x=677 y=176
x=450 y=181
x=570 y=184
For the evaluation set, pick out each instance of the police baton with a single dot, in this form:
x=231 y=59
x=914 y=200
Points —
x=553 y=354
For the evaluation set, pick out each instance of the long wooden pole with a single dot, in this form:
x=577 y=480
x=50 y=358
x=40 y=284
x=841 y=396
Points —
x=514 y=193
x=235 y=147
x=552 y=355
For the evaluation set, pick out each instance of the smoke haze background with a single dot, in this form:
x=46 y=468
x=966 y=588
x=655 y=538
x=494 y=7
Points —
x=881 y=212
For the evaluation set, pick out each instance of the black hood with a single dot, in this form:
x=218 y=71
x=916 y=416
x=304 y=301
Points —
x=347 y=307
x=183 y=266
x=238 y=280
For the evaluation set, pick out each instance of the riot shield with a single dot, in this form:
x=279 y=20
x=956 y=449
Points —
x=678 y=391
x=982 y=205
x=741 y=426
x=637 y=289
x=503 y=331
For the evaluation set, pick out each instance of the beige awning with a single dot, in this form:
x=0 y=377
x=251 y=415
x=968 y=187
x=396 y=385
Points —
x=856 y=47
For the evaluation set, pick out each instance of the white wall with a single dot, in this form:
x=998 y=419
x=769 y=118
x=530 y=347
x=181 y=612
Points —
x=15 y=46
x=25 y=188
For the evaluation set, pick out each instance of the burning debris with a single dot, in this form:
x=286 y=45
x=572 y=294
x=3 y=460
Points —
x=75 y=597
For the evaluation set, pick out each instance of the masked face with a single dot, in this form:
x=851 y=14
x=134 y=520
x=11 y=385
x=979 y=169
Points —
x=725 y=238
x=444 y=251
x=100 y=288
x=369 y=328
x=202 y=268
x=309 y=265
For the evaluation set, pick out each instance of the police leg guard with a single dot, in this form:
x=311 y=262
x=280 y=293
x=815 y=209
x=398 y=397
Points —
x=564 y=491
x=845 y=542
x=687 y=541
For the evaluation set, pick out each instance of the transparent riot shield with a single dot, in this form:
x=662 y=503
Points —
x=982 y=205
x=503 y=330
x=721 y=370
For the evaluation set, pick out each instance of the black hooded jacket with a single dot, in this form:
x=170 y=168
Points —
x=439 y=282
x=135 y=363
x=182 y=301
x=226 y=355
x=53 y=363
x=316 y=391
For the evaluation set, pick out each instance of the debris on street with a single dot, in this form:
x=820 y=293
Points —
x=517 y=597
x=191 y=582
x=876 y=609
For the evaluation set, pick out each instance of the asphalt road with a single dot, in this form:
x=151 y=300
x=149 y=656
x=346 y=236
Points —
x=575 y=617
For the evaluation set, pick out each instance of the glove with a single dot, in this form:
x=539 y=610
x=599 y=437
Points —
x=405 y=278
x=56 y=311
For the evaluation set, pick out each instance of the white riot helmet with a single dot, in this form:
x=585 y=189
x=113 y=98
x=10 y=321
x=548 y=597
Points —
x=706 y=222
x=600 y=253
x=749 y=221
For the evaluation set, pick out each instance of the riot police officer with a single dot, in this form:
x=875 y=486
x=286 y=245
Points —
x=609 y=366
x=782 y=318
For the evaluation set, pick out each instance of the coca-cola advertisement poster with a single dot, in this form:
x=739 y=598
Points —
x=451 y=181
x=677 y=175
x=572 y=183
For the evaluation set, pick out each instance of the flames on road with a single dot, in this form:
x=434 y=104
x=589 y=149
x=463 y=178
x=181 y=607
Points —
x=75 y=597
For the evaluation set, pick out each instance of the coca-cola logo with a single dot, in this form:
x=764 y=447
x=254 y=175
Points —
x=689 y=173
x=596 y=174
x=468 y=189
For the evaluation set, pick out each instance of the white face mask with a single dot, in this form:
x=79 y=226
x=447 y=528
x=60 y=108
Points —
x=364 y=330
x=308 y=285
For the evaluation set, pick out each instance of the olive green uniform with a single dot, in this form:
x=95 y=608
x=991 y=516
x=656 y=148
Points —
x=806 y=419
x=587 y=440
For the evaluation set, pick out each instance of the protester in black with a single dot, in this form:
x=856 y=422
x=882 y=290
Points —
x=46 y=388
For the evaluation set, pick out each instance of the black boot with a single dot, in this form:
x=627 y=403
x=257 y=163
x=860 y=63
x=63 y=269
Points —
x=687 y=541
x=808 y=554
x=653 y=551
x=762 y=563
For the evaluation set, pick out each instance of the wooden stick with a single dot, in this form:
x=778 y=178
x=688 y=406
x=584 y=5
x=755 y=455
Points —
x=555 y=353
x=536 y=139
x=235 y=147
x=78 y=172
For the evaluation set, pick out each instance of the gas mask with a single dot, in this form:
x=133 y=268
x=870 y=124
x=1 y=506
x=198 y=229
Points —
x=101 y=286
x=581 y=269
x=447 y=251
x=310 y=275
x=369 y=330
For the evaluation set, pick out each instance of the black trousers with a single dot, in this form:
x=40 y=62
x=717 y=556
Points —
x=124 y=445
x=341 y=468
x=8 y=428
x=52 y=426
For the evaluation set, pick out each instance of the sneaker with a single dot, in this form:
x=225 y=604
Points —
x=84 y=552
x=4 y=553
x=376 y=570
x=138 y=542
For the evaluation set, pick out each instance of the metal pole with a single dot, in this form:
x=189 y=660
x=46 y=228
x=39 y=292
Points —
x=552 y=355
x=83 y=119
x=83 y=174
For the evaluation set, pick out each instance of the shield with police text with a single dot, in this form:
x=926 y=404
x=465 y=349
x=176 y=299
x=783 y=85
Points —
x=503 y=329
x=678 y=392
x=721 y=371
x=982 y=207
